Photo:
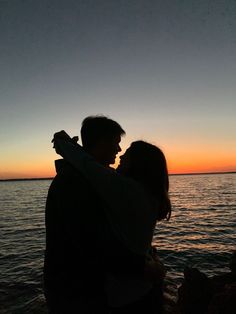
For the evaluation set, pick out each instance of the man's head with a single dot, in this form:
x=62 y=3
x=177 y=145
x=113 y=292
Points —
x=101 y=137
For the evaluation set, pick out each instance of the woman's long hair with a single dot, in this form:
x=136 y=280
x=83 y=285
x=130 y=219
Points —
x=148 y=166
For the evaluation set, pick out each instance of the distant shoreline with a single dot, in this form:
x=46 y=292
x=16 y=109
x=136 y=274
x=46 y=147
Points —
x=172 y=174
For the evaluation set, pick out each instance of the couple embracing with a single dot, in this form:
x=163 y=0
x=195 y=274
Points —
x=100 y=223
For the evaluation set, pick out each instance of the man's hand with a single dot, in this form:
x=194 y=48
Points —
x=155 y=270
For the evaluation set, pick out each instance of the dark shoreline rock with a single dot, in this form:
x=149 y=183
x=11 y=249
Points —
x=200 y=294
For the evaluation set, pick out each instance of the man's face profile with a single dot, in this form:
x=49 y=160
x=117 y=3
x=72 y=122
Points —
x=110 y=148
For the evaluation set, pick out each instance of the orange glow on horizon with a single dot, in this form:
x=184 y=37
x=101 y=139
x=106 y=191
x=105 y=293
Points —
x=201 y=164
x=26 y=169
x=49 y=172
x=183 y=162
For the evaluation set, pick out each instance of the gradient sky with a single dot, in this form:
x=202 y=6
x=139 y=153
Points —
x=165 y=70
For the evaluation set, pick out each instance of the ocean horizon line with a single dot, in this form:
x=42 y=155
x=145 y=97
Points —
x=171 y=174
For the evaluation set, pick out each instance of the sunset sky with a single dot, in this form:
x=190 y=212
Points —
x=164 y=69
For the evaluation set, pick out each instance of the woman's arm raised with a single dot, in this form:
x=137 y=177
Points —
x=118 y=191
x=129 y=205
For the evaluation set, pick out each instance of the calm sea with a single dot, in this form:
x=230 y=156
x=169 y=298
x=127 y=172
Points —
x=201 y=233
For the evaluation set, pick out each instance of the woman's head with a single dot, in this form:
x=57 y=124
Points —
x=146 y=163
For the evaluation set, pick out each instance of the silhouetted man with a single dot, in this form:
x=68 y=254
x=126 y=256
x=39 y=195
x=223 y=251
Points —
x=80 y=246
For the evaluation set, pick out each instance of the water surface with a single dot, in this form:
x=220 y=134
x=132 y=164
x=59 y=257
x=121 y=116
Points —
x=201 y=233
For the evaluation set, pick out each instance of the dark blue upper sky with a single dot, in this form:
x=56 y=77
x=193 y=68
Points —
x=157 y=66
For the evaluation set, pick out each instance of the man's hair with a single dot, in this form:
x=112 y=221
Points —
x=96 y=128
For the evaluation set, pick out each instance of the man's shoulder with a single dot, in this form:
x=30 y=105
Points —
x=65 y=170
x=69 y=179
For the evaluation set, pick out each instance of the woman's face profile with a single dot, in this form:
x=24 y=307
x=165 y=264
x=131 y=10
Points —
x=124 y=164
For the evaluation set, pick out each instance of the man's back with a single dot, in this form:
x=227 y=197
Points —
x=73 y=271
x=80 y=247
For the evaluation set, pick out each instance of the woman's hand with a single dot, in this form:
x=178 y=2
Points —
x=62 y=135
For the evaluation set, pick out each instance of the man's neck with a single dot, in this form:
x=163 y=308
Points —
x=96 y=155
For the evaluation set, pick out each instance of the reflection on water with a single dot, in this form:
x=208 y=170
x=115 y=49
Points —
x=201 y=233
